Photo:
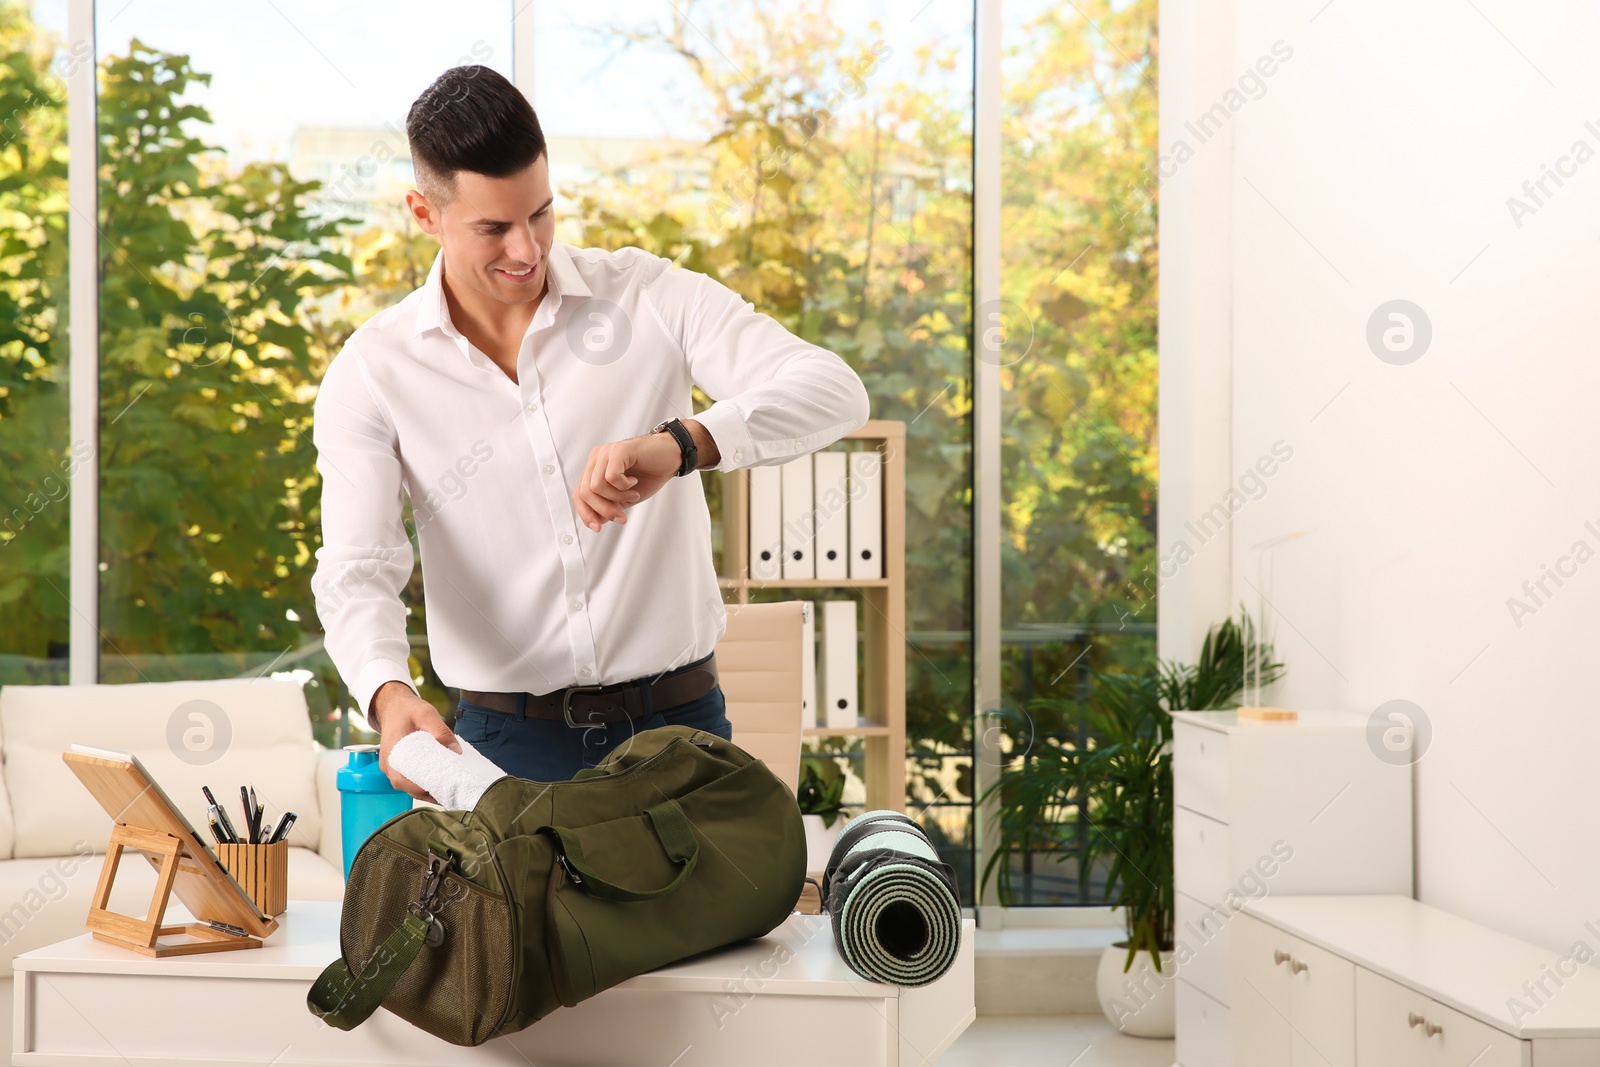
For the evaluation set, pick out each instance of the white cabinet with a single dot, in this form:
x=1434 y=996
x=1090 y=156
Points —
x=1207 y=970
x=1200 y=752
x=1202 y=856
x=1269 y=808
x=1387 y=981
x=1204 y=1023
x=1260 y=1000
x=1293 y=1003
x=1400 y=1027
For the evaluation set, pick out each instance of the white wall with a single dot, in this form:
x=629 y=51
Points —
x=1376 y=164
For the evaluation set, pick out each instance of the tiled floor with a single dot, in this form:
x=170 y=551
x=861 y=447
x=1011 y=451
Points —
x=1052 y=1041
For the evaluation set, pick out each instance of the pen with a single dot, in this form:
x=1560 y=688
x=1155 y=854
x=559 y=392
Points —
x=249 y=816
x=256 y=804
x=216 y=830
x=222 y=816
x=282 y=828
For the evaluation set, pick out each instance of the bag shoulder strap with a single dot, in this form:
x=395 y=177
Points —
x=345 y=1000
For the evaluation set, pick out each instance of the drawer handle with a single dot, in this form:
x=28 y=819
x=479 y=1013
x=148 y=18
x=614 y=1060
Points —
x=1297 y=967
x=1280 y=956
x=1429 y=1029
x=1414 y=1020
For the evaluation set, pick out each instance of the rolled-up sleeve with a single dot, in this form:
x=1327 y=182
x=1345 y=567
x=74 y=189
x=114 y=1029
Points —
x=774 y=395
x=366 y=557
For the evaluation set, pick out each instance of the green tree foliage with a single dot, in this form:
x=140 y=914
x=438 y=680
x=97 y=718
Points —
x=35 y=460
x=209 y=356
x=1079 y=146
x=208 y=364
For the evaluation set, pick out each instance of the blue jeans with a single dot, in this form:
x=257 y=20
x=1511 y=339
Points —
x=548 y=750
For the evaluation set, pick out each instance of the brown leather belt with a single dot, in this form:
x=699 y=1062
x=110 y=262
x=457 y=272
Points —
x=583 y=705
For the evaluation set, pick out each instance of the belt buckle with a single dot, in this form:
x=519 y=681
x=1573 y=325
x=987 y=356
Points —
x=566 y=703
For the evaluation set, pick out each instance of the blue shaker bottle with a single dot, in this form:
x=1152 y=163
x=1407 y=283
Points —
x=367 y=799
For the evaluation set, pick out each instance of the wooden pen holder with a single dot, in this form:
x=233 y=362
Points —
x=262 y=871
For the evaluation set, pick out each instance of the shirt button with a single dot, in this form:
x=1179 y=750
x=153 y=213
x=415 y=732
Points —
x=549 y=468
x=738 y=453
x=532 y=406
x=577 y=605
x=586 y=672
x=566 y=539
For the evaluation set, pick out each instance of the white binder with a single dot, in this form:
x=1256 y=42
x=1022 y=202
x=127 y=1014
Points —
x=839 y=687
x=808 y=665
x=866 y=514
x=799 y=520
x=766 y=522
x=833 y=518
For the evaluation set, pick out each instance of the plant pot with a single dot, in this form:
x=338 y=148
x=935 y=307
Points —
x=820 y=839
x=1139 y=1002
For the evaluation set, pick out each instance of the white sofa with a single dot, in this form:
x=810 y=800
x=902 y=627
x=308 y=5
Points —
x=222 y=734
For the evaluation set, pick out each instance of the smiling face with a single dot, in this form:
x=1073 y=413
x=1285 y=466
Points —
x=496 y=234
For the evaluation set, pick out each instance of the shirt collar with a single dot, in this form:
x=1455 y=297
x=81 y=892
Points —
x=563 y=280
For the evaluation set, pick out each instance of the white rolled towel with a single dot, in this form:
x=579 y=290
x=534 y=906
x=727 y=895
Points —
x=455 y=780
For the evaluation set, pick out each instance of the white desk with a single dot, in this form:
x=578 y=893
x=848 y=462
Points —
x=783 y=999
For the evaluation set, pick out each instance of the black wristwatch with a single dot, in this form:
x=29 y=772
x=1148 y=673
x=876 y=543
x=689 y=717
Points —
x=691 y=453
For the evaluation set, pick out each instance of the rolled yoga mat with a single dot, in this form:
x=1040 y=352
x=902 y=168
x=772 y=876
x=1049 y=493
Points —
x=895 y=908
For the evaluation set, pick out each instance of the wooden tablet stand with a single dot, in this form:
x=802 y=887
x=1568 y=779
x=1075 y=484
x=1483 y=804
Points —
x=169 y=855
x=145 y=819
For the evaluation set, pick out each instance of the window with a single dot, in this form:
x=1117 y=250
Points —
x=36 y=457
x=819 y=159
x=251 y=165
x=1078 y=370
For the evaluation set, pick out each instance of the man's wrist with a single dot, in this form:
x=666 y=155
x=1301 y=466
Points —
x=709 y=455
x=378 y=701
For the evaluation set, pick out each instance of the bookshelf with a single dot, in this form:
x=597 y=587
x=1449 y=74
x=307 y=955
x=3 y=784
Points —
x=881 y=619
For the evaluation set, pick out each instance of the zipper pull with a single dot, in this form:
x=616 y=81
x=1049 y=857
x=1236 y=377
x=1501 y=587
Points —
x=437 y=865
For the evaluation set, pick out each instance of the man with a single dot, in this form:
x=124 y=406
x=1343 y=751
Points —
x=533 y=399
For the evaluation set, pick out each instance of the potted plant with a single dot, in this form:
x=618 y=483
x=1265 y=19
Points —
x=821 y=797
x=1122 y=780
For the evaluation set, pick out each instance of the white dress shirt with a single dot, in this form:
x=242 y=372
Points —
x=520 y=595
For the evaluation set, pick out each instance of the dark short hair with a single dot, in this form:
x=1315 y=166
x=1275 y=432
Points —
x=470 y=118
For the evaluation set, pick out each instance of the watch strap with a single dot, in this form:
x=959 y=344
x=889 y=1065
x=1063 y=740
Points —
x=686 y=445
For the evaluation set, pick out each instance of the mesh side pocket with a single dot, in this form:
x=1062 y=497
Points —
x=459 y=990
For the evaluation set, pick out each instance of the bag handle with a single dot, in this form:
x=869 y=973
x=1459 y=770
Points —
x=677 y=838
x=345 y=1000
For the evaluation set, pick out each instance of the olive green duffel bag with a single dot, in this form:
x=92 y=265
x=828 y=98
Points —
x=475 y=924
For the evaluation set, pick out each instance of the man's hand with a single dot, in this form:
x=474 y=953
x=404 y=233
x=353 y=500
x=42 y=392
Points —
x=622 y=473
x=402 y=712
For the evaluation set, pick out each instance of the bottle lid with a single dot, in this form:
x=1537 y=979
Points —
x=362 y=774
